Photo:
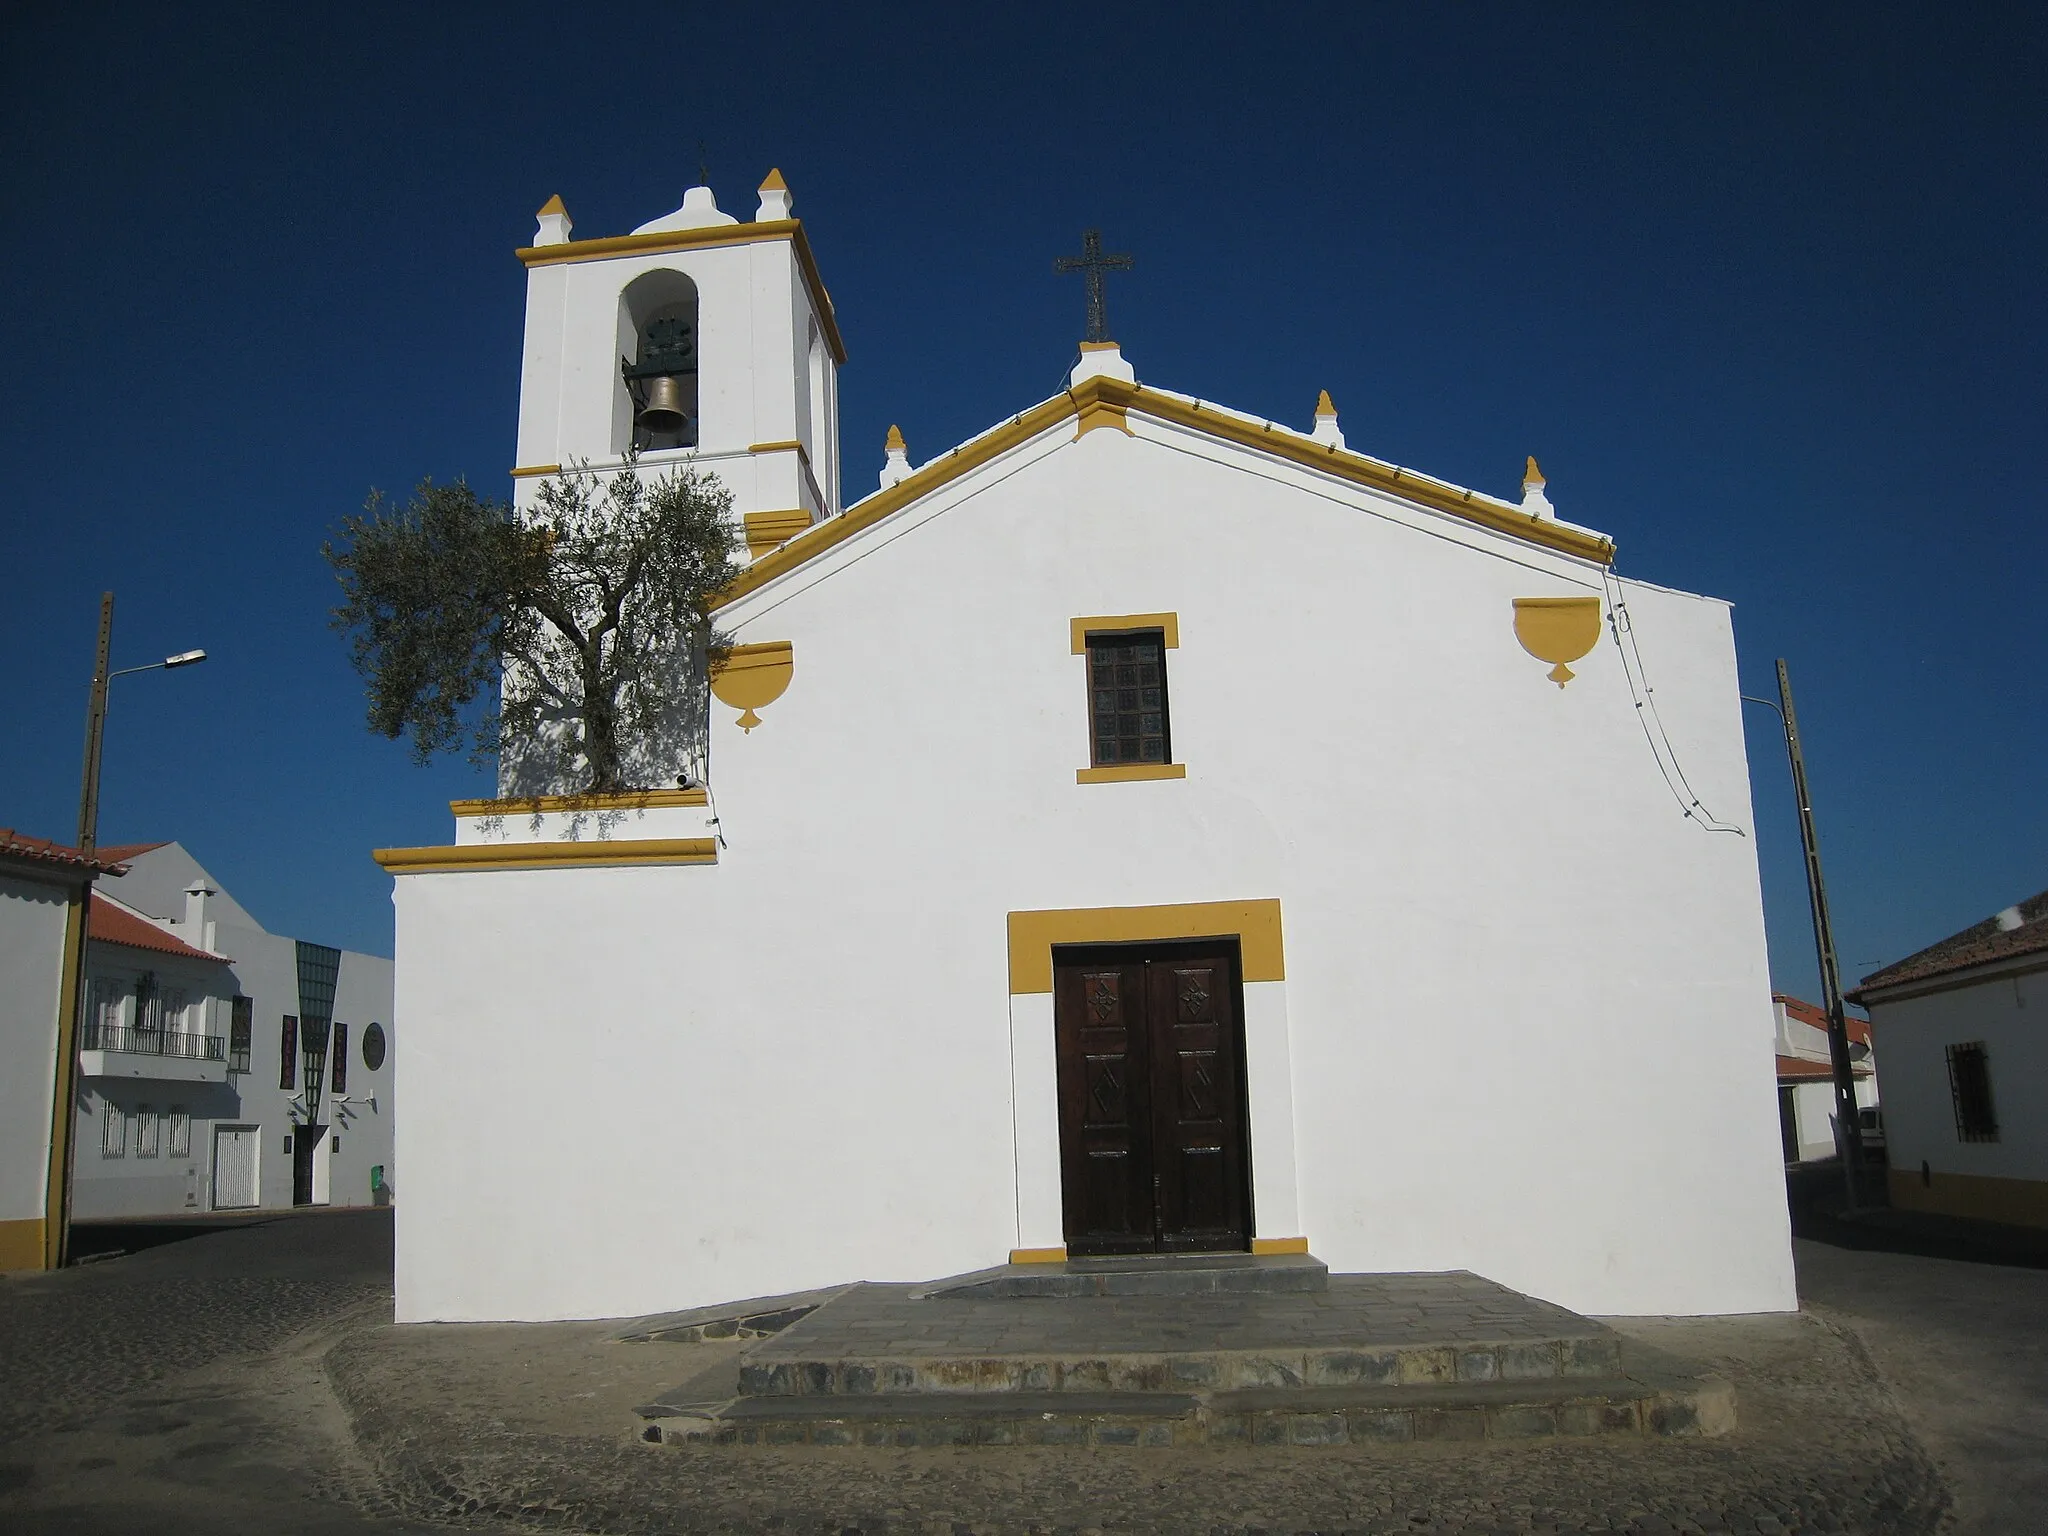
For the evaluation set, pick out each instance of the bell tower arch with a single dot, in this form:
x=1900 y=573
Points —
x=696 y=337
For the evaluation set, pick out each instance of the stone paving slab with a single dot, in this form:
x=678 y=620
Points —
x=1353 y=1313
x=756 y=1318
x=1178 y=1274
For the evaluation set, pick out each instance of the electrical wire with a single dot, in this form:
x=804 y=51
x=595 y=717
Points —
x=1621 y=623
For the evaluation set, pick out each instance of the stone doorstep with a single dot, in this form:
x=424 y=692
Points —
x=1493 y=1411
x=1207 y=1274
x=1408 y=1367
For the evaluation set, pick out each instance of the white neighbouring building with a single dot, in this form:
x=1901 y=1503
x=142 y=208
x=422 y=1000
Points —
x=44 y=889
x=1144 y=827
x=222 y=1067
x=1806 y=1078
x=1966 y=1066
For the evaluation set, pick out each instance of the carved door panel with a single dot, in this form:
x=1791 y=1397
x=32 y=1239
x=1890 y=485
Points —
x=1154 y=1148
x=1199 y=1153
x=1105 y=1107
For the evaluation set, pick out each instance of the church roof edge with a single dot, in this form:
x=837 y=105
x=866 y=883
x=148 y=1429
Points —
x=1189 y=413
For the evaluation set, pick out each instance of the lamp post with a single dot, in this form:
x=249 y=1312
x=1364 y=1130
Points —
x=63 y=1128
x=1824 y=945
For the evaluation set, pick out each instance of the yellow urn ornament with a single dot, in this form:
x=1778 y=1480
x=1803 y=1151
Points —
x=1558 y=629
x=752 y=677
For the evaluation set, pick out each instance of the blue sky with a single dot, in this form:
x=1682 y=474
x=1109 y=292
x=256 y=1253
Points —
x=1761 y=285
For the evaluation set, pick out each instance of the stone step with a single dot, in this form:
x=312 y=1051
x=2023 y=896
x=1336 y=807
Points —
x=1177 y=1274
x=1661 y=1402
x=1594 y=1355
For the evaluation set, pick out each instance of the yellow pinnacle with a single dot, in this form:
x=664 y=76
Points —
x=1532 y=475
x=895 y=443
x=1323 y=406
x=774 y=183
x=552 y=205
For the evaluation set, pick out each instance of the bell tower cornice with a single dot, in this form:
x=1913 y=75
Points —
x=663 y=241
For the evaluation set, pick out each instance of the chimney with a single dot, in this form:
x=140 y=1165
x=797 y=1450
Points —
x=198 y=930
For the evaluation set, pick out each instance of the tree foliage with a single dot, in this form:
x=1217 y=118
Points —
x=591 y=613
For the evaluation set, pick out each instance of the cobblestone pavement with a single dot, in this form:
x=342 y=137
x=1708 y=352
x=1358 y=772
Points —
x=251 y=1382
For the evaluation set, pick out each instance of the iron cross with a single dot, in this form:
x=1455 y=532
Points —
x=1091 y=264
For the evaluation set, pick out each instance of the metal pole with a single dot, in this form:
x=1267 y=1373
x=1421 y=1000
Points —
x=64 y=1108
x=95 y=731
x=1830 y=971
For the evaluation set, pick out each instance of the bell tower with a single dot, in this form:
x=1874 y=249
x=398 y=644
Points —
x=695 y=338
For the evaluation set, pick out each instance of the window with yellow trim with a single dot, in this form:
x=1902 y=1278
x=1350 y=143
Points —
x=1127 y=711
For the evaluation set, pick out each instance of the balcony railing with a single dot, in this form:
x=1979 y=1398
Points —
x=154 y=1042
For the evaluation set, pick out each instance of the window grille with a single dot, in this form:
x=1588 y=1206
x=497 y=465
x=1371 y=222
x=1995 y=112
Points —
x=1127 y=720
x=288 y=1059
x=1969 y=1084
x=181 y=1132
x=146 y=1131
x=113 y=1130
x=241 y=1018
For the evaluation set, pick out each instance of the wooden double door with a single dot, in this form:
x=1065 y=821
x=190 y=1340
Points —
x=1155 y=1148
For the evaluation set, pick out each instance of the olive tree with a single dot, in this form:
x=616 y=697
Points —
x=571 y=640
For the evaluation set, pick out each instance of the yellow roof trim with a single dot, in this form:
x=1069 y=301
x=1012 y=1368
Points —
x=662 y=241
x=894 y=443
x=630 y=800
x=552 y=205
x=465 y=857
x=1327 y=458
x=774 y=183
x=1323 y=405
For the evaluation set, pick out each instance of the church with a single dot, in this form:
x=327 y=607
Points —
x=1141 y=828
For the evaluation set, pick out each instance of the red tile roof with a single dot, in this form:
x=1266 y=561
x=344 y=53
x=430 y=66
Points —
x=111 y=924
x=127 y=851
x=1979 y=944
x=40 y=850
x=1809 y=1013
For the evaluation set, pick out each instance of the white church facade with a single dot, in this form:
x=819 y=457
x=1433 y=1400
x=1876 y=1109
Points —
x=1144 y=827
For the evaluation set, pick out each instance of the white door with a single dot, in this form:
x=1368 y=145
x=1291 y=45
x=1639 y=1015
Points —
x=234 y=1167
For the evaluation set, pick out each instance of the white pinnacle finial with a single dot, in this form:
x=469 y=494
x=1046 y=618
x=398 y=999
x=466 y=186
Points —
x=1534 y=502
x=554 y=223
x=1327 y=430
x=775 y=199
x=897 y=466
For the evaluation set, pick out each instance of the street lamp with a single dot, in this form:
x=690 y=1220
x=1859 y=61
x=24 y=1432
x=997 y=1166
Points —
x=1839 y=1055
x=65 y=1108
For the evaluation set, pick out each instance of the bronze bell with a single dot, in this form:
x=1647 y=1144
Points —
x=663 y=411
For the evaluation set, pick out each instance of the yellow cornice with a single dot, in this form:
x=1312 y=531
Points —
x=1130 y=773
x=1167 y=623
x=1254 y=924
x=765 y=530
x=466 y=857
x=629 y=800
x=1116 y=394
x=662 y=241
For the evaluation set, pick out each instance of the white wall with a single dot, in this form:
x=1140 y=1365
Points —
x=1509 y=956
x=32 y=916
x=2007 y=1014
